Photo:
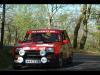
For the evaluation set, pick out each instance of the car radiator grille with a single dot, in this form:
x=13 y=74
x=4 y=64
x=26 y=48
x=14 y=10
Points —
x=32 y=54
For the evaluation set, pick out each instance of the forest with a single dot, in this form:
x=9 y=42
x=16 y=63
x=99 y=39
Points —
x=81 y=21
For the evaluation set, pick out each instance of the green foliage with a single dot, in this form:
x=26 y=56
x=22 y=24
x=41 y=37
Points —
x=93 y=13
x=23 y=22
x=96 y=35
x=98 y=27
x=63 y=17
x=94 y=42
x=25 y=19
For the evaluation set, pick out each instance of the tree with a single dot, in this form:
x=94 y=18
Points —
x=85 y=21
x=78 y=26
x=3 y=23
x=51 y=12
x=23 y=22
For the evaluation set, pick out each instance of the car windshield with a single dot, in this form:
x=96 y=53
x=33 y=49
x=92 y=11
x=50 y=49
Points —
x=42 y=37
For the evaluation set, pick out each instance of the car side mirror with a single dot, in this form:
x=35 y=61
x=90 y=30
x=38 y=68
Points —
x=65 y=41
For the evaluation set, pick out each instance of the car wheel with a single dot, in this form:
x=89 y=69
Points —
x=60 y=61
x=70 y=60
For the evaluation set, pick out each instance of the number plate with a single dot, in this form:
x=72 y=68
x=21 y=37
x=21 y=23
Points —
x=32 y=61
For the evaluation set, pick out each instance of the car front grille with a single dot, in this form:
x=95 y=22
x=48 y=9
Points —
x=35 y=54
x=32 y=54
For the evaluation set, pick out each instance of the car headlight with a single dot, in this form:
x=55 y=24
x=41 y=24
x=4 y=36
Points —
x=42 y=52
x=50 y=50
x=21 y=52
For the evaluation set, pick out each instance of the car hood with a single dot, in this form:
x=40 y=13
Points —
x=37 y=46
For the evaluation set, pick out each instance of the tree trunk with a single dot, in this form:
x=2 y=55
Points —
x=49 y=21
x=9 y=36
x=76 y=32
x=84 y=37
x=3 y=23
x=77 y=28
x=16 y=36
x=53 y=10
x=85 y=29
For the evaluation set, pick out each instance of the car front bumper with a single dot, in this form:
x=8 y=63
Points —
x=51 y=59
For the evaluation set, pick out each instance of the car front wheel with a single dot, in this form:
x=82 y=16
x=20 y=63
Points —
x=60 y=62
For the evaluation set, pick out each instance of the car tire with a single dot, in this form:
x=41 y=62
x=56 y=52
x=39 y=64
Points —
x=70 y=60
x=60 y=62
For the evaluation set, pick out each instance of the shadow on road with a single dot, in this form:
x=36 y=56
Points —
x=50 y=68
x=79 y=57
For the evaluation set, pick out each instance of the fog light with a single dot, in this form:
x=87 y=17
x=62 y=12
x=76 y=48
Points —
x=21 y=52
x=42 y=52
x=19 y=60
x=43 y=59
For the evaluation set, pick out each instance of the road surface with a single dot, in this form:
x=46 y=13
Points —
x=81 y=62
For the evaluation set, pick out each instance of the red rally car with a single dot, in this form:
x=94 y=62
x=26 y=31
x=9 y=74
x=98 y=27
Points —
x=41 y=47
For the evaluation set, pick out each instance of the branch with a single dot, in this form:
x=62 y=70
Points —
x=57 y=8
x=0 y=5
x=88 y=11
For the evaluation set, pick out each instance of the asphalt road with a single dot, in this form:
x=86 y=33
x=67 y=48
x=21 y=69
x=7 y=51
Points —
x=81 y=62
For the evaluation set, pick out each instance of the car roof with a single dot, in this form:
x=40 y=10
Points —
x=49 y=29
x=58 y=30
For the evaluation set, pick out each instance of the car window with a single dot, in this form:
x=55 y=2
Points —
x=42 y=37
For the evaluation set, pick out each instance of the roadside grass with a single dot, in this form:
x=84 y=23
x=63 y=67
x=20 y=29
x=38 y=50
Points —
x=5 y=57
x=90 y=51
